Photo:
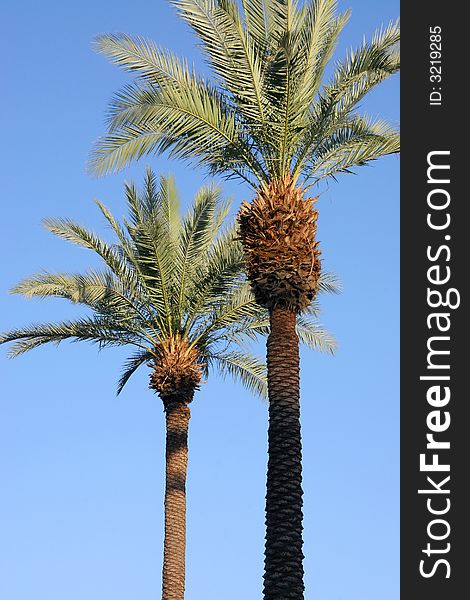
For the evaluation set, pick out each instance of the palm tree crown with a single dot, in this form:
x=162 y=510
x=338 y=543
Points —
x=171 y=286
x=267 y=113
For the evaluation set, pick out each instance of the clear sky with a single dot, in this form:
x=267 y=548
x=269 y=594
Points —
x=82 y=472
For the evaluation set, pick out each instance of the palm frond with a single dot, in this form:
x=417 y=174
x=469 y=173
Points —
x=245 y=368
x=43 y=285
x=191 y=119
x=223 y=316
x=329 y=283
x=169 y=208
x=257 y=18
x=360 y=141
x=116 y=150
x=318 y=37
x=155 y=260
x=77 y=234
x=143 y=57
x=199 y=229
x=130 y=367
x=218 y=275
x=361 y=70
x=96 y=330
x=230 y=50
x=313 y=335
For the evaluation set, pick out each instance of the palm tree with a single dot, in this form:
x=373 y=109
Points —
x=271 y=118
x=173 y=289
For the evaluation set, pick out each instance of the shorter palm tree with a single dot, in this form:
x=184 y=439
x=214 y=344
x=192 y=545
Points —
x=173 y=288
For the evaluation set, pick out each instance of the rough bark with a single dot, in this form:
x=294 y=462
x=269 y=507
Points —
x=278 y=231
x=177 y=370
x=177 y=421
x=283 y=577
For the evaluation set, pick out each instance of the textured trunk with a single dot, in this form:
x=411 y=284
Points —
x=283 y=577
x=177 y=421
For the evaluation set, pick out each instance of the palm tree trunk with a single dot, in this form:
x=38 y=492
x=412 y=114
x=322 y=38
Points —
x=283 y=577
x=177 y=421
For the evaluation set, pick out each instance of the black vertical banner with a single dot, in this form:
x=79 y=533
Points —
x=435 y=328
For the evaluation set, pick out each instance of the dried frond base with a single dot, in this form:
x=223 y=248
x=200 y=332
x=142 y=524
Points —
x=278 y=232
x=177 y=371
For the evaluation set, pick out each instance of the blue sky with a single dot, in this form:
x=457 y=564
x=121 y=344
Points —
x=82 y=471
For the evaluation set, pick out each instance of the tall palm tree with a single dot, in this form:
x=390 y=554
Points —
x=271 y=118
x=172 y=287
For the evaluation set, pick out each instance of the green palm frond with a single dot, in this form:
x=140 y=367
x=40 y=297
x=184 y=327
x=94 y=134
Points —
x=153 y=230
x=297 y=79
x=169 y=206
x=97 y=330
x=191 y=119
x=379 y=56
x=202 y=246
x=94 y=289
x=268 y=111
x=198 y=230
x=231 y=52
x=358 y=142
x=117 y=150
x=245 y=368
x=313 y=335
x=329 y=283
x=305 y=42
x=130 y=367
x=116 y=227
x=75 y=233
x=318 y=36
x=144 y=57
x=224 y=315
x=218 y=275
x=43 y=285
x=257 y=20
x=361 y=71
